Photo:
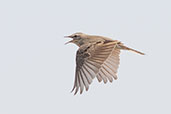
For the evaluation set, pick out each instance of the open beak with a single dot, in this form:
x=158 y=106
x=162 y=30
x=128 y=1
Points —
x=67 y=37
x=69 y=41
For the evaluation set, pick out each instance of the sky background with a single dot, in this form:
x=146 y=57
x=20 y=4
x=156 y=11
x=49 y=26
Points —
x=37 y=69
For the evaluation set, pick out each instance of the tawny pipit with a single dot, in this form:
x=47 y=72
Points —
x=98 y=57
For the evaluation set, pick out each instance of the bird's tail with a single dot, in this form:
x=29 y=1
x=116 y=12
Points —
x=127 y=48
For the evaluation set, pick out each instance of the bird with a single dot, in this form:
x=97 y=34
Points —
x=97 y=56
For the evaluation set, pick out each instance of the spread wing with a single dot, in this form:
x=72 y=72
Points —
x=100 y=60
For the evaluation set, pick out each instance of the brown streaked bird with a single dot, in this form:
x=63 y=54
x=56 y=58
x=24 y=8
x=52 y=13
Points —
x=98 y=57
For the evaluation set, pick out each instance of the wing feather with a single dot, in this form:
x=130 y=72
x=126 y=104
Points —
x=102 y=76
x=107 y=74
x=80 y=83
x=86 y=76
x=85 y=80
x=100 y=61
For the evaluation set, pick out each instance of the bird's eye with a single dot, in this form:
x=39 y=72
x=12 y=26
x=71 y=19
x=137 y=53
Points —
x=75 y=36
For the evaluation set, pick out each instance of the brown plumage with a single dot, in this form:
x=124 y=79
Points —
x=98 y=57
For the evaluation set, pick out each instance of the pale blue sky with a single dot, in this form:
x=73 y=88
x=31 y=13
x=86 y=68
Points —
x=37 y=69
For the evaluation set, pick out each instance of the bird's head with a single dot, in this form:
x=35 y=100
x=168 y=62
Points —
x=77 y=38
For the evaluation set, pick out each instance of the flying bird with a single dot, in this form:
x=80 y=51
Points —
x=98 y=57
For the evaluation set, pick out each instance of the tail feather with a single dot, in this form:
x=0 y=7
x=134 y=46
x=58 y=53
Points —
x=127 y=48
